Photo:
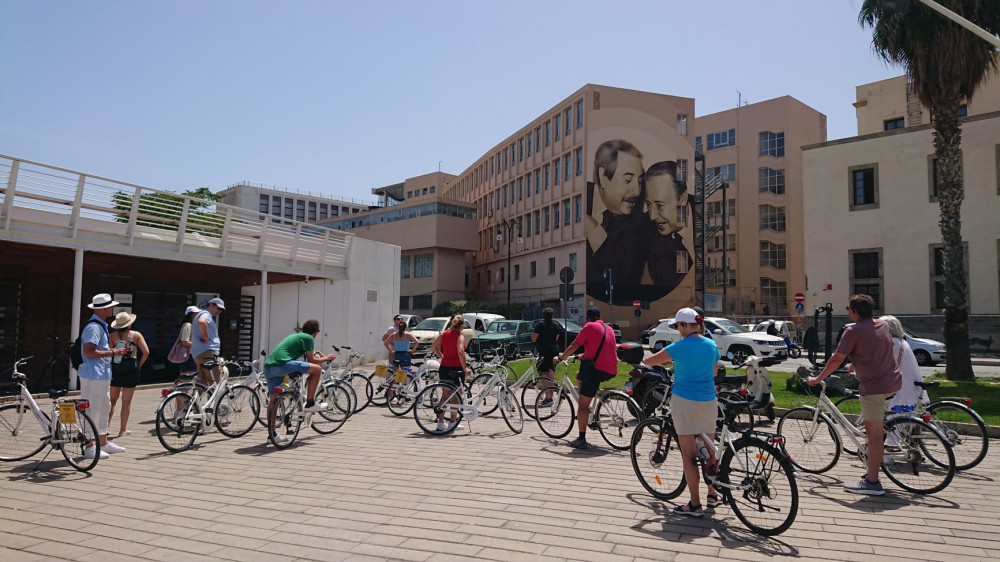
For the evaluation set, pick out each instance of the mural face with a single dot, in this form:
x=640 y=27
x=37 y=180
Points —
x=636 y=224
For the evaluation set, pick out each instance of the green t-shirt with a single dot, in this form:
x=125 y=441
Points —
x=291 y=348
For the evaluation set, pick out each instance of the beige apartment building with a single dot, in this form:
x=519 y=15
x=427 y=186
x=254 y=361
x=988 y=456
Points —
x=283 y=205
x=872 y=214
x=757 y=149
x=434 y=233
x=542 y=191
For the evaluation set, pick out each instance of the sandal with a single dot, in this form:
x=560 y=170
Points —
x=690 y=510
x=713 y=500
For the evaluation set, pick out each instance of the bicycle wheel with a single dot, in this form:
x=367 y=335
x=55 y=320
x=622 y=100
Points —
x=814 y=446
x=766 y=498
x=911 y=445
x=72 y=440
x=656 y=458
x=362 y=388
x=402 y=396
x=336 y=395
x=489 y=404
x=616 y=419
x=510 y=409
x=285 y=419
x=555 y=416
x=433 y=404
x=237 y=411
x=850 y=406
x=178 y=420
x=380 y=388
x=654 y=400
x=743 y=419
x=21 y=435
x=964 y=430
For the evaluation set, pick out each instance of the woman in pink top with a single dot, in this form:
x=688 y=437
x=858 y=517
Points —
x=598 y=341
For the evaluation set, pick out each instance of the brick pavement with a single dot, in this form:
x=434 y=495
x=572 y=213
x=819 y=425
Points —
x=379 y=489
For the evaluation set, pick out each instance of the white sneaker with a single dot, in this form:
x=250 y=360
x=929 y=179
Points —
x=89 y=453
x=316 y=407
x=441 y=426
x=112 y=449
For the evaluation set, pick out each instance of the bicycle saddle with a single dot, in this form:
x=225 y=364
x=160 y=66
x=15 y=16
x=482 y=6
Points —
x=56 y=393
x=927 y=384
x=210 y=365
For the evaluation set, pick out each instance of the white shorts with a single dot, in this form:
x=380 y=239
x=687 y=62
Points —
x=98 y=392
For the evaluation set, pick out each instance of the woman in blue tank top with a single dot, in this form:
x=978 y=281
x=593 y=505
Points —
x=402 y=343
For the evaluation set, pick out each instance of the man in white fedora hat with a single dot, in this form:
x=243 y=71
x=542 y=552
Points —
x=95 y=374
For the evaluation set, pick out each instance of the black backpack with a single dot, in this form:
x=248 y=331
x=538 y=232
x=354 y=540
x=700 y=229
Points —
x=76 y=350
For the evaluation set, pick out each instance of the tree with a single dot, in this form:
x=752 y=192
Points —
x=163 y=210
x=946 y=63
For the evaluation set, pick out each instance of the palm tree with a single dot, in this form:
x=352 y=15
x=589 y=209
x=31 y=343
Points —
x=945 y=63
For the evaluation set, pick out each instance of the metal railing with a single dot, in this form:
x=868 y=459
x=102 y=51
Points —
x=75 y=209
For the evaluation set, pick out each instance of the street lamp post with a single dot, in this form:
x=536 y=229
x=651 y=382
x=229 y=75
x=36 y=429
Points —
x=508 y=226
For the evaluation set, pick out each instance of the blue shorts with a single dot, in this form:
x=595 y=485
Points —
x=275 y=374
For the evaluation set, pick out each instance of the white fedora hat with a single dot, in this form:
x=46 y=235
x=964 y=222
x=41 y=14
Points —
x=102 y=300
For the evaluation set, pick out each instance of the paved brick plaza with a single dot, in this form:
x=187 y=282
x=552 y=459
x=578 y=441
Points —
x=379 y=489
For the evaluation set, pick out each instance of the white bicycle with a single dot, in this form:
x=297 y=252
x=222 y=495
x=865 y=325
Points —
x=441 y=406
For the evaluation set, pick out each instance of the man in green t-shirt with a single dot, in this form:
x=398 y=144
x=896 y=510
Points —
x=295 y=355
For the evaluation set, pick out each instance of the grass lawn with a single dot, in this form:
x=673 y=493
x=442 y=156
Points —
x=985 y=393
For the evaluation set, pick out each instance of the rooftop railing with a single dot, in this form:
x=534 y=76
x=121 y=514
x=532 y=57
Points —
x=75 y=209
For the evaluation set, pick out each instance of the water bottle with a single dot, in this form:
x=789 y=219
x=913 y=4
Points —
x=118 y=358
x=902 y=408
x=703 y=453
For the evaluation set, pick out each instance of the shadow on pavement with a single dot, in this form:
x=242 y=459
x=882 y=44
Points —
x=48 y=470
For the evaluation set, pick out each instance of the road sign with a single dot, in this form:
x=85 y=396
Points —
x=637 y=312
x=799 y=307
x=636 y=304
x=566 y=274
x=799 y=297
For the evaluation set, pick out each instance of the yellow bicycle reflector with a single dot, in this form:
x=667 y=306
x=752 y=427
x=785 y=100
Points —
x=658 y=481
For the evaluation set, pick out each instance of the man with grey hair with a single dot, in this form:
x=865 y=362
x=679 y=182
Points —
x=615 y=235
x=665 y=197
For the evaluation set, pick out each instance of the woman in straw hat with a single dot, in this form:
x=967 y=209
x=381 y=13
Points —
x=125 y=369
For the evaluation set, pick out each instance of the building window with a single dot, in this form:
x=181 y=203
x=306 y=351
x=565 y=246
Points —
x=409 y=194
x=432 y=189
x=558 y=126
x=963 y=111
x=863 y=187
x=865 y=268
x=527 y=182
x=312 y=210
x=552 y=266
x=548 y=133
x=572 y=261
x=517 y=272
x=538 y=139
x=772 y=181
x=404 y=303
x=772 y=144
x=527 y=224
x=892 y=124
x=520 y=189
x=505 y=159
x=500 y=279
x=504 y=196
x=423 y=265
x=538 y=179
x=772 y=218
x=404 y=267
x=547 y=176
x=545 y=213
x=728 y=172
x=682 y=170
x=566 y=169
x=721 y=139
x=489 y=277
x=538 y=223
x=528 y=138
x=772 y=255
x=579 y=114
x=555 y=215
x=324 y=211
x=556 y=166
x=682 y=215
x=698 y=147
x=289 y=207
x=300 y=211
x=938 y=275
x=265 y=204
x=276 y=206
x=520 y=150
x=578 y=208
x=579 y=162
x=566 y=212
x=425 y=191
x=682 y=125
x=682 y=261
x=532 y=269
x=568 y=120
x=773 y=293
x=422 y=302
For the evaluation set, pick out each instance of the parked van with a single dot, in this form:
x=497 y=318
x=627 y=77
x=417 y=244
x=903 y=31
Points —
x=481 y=320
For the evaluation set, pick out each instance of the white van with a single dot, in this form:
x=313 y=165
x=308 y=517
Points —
x=481 y=320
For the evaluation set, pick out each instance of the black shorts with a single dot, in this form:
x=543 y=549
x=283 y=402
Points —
x=546 y=363
x=452 y=375
x=590 y=384
x=125 y=375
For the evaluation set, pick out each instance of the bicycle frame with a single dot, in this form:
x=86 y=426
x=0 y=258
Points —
x=827 y=407
x=470 y=409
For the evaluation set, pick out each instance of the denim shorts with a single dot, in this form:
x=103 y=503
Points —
x=275 y=374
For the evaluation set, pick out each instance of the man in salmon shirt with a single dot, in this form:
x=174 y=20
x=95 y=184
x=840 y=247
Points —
x=598 y=341
x=869 y=344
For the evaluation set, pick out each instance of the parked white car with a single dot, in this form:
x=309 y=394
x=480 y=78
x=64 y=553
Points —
x=428 y=331
x=665 y=333
x=785 y=328
x=927 y=351
x=730 y=337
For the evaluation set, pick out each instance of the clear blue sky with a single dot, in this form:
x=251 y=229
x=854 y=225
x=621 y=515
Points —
x=341 y=96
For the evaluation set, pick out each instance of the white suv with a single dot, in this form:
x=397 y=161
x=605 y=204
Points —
x=730 y=337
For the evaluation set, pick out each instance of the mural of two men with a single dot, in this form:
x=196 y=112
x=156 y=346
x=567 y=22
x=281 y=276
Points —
x=638 y=234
